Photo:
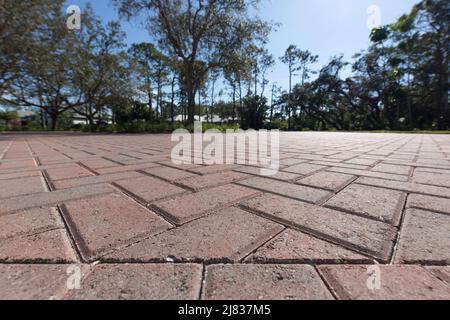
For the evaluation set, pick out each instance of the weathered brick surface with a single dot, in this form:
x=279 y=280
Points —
x=382 y=204
x=406 y=186
x=372 y=237
x=121 y=159
x=40 y=235
x=169 y=174
x=213 y=169
x=148 y=189
x=370 y=174
x=50 y=246
x=327 y=180
x=14 y=164
x=141 y=282
x=362 y=161
x=329 y=163
x=429 y=203
x=17 y=187
x=425 y=237
x=433 y=162
x=442 y=273
x=187 y=207
x=212 y=180
x=122 y=222
x=287 y=189
x=228 y=235
x=291 y=161
x=51 y=198
x=280 y=175
x=106 y=178
x=293 y=246
x=33 y=282
x=22 y=174
x=169 y=163
x=130 y=204
x=304 y=168
x=395 y=169
x=264 y=282
x=95 y=164
x=397 y=283
x=69 y=172
x=29 y=222
x=344 y=156
x=127 y=168
x=437 y=179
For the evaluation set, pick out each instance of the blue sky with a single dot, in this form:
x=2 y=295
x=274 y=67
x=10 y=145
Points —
x=325 y=27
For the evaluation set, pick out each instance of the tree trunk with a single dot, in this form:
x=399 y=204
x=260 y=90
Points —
x=90 y=118
x=290 y=100
x=150 y=106
x=271 y=106
x=172 y=101
x=190 y=88
x=199 y=105
x=240 y=95
x=256 y=83
x=54 y=118
x=212 y=99
x=158 y=101
x=43 y=120
x=234 y=103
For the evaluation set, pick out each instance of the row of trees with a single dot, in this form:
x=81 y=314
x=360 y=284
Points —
x=208 y=58
x=400 y=82
x=89 y=72
x=46 y=66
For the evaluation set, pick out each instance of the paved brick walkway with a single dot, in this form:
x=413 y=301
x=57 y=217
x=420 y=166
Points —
x=115 y=211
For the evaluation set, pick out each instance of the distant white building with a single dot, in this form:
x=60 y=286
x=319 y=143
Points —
x=214 y=119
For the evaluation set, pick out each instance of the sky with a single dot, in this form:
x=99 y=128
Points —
x=324 y=27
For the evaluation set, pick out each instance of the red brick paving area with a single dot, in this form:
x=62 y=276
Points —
x=140 y=227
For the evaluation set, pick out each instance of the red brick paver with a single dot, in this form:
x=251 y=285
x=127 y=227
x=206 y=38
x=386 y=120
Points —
x=138 y=282
x=188 y=207
x=17 y=187
x=228 y=235
x=378 y=203
x=368 y=236
x=395 y=283
x=262 y=282
x=425 y=237
x=103 y=223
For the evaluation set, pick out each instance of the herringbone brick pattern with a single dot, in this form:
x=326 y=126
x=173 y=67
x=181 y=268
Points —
x=140 y=227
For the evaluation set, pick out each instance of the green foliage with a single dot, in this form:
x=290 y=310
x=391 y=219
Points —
x=277 y=125
x=379 y=34
x=254 y=112
x=163 y=127
x=401 y=82
x=8 y=116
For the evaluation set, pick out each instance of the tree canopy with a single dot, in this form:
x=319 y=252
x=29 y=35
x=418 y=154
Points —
x=209 y=58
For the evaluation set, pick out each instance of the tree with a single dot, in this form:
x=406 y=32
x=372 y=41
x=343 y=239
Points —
x=237 y=70
x=19 y=22
x=8 y=116
x=403 y=34
x=274 y=92
x=194 y=29
x=98 y=64
x=153 y=71
x=46 y=75
x=296 y=60
x=254 y=112
x=263 y=61
x=433 y=26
